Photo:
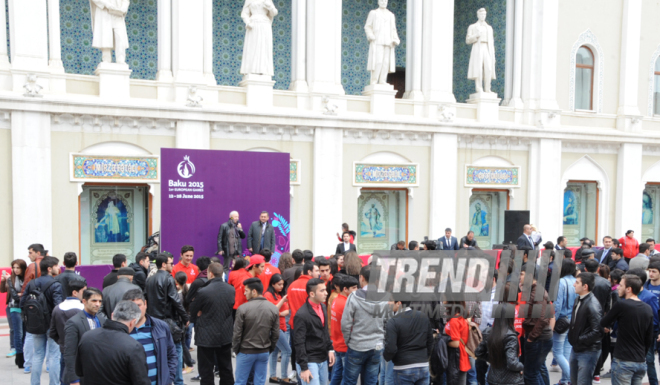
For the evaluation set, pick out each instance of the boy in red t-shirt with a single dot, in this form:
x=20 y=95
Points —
x=347 y=285
x=185 y=264
x=269 y=269
x=253 y=270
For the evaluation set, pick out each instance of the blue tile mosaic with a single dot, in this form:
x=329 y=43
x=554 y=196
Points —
x=465 y=14
x=79 y=57
x=7 y=22
x=355 y=46
x=228 y=35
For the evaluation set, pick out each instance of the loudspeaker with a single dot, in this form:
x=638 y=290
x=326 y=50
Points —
x=514 y=221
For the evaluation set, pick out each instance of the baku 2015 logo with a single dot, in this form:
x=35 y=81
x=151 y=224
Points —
x=186 y=168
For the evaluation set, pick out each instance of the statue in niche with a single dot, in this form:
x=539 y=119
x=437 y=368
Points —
x=109 y=28
x=258 y=17
x=482 y=56
x=383 y=38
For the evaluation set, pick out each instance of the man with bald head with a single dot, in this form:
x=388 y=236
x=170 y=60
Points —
x=229 y=240
x=525 y=241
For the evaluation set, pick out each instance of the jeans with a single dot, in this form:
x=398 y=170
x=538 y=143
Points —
x=338 y=368
x=209 y=357
x=319 y=373
x=284 y=347
x=11 y=331
x=412 y=376
x=43 y=343
x=188 y=336
x=650 y=365
x=17 y=328
x=178 y=378
x=366 y=364
x=471 y=376
x=386 y=376
x=627 y=372
x=561 y=350
x=246 y=363
x=536 y=372
x=28 y=349
x=582 y=366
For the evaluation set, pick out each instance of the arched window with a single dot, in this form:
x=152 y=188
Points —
x=584 y=79
x=656 y=88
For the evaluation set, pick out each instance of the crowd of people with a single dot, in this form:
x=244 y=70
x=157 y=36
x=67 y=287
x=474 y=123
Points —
x=311 y=314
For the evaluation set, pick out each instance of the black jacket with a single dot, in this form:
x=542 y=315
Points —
x=111 y=278
x=140 y=277
x=254 y=237
x=585 y=332
x=64 y=277
x=223 y=238
x=408 y=338
x=113 y=294
x=340 y=248
x=311 y=339
x=53 y=294
x=60 y=315
x=74 y=329
x=524 y=243
x=109 y=356
x=197 y=284
x=214 y=328
x=510 y=375
x=163 y=298
x=472 y=243
x=602 y=290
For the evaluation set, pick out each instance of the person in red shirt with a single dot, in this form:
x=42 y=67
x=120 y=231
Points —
x=185 y=264
x=344 y=229
x=629 y=245
x=253 y=270
x=269 y=270
x=458 y=329
x=276 y=295
x=347 y=285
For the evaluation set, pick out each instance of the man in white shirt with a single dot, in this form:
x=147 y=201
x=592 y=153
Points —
x=345 y=246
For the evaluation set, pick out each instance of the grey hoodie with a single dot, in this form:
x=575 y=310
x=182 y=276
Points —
x=363 y=322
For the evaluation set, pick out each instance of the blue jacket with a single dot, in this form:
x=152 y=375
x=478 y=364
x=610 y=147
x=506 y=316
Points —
x=564 y=307
x=650 y=299
x=166 y=356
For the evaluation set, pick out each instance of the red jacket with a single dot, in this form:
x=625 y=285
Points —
x=630 y=247
x=335 y=321
x=268 y=272
x=236 y=279
x=297 y=294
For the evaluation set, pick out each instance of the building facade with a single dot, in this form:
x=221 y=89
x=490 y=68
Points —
x=574 y=136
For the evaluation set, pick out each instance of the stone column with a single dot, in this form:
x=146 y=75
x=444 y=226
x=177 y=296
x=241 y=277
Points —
x=28 y=24
x=438 y=53
x=188 y=41
x=31 y=180
x=414 y=35
x=544 y=194
x=629 y=190
x=165 y=33
x=516 y=100
x=193 y=134
x=298 y=45
x=628 y=113
x=208 y=43
x=55 y=47
x=323 y=40
x=444 y=179
x=508 y=65
x=327 y=185
x=4 y=57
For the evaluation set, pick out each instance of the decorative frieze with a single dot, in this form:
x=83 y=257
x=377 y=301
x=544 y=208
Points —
x=143 y=169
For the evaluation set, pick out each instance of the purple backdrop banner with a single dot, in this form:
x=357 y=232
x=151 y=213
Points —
x=199 y=188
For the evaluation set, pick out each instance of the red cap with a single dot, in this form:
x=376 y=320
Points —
x=256 y=259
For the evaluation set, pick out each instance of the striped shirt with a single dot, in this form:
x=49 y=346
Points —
x=143 y=335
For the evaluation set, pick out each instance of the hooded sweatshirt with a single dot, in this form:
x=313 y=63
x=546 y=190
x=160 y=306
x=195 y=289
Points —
x=363 y=322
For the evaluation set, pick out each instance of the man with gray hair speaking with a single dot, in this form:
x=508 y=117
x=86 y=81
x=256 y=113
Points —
x=229 y=240
x=109 y=355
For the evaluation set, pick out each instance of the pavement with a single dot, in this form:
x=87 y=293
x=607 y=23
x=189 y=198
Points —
x=11 y=375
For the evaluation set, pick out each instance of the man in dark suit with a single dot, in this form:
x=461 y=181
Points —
x=229 y=240
x=345 y=246
x=525 y=241
x=448 y=242
x=261 y=235
x=561 y=243
x=603 y=255
x=469 y=241
x=76 y=326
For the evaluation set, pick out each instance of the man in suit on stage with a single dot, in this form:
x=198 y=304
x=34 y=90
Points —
x=261 y=235
x=525 y=241
x=561 y=243
x=448 y=242
x=345 y=246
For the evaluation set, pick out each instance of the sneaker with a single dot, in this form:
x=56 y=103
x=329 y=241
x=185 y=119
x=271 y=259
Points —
x=11 y=354
x=196 y=378
x=554 y=368
x=187 y=370
x=596 y=379
x=27 y=370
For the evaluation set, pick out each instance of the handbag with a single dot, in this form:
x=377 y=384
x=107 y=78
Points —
x=175 y=330
x=474 y=339
x=562 y=324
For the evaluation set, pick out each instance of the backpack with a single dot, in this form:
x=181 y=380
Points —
x=438 y=361
x=474 y=339
x=36 y=313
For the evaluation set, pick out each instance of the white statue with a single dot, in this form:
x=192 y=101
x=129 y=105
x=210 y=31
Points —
x=258 y=17
x=482 y=57
x=382 y=36
x=194 y=100
x=109 y=28
x=32 y=88
x=329 y=108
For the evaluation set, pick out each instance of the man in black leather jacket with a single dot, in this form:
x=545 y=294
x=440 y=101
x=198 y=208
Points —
x=585 y=332
x=229 y=240
x=602 y=287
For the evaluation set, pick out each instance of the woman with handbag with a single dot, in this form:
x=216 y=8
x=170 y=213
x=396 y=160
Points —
x=561 y=349
x=458 y=330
